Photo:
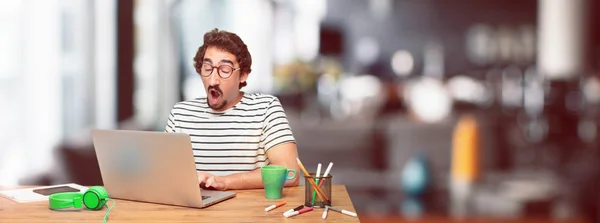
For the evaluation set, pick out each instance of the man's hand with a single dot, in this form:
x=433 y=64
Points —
x=209 y=181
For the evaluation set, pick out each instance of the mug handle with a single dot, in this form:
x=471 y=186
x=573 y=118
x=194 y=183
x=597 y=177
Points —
x=288 y=177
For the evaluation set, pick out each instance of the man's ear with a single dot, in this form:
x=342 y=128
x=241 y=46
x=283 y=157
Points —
x=243 y=77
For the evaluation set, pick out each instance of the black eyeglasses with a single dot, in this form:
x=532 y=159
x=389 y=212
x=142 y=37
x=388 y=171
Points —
x=224 y=70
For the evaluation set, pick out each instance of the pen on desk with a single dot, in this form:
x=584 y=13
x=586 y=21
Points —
x=275 y=206
x=295 y=209
x=294 y=213
x=342 y=211
x=325 y=213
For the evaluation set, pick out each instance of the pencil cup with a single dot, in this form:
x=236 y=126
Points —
x=312 y=198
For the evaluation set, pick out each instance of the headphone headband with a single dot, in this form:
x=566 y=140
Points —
x=65 y=200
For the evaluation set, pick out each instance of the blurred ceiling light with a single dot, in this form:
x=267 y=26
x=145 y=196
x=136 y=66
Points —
x=429 y=100
x=467 y=89
x=381 y=9
x=402 y=63
x=481 y=44
x=512 y=89
x=360 y=87
x=360 y=95
x=366 y=50
x=591 y=90
x=533 y=93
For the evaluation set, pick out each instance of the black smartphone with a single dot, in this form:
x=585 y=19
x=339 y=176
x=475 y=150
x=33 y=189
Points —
x=52 y=190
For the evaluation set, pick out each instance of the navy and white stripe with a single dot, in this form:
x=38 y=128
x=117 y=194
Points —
x=235 y=140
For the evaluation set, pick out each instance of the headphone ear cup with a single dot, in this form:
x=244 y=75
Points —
x=103 y=195
x=95 y=198
x=101 y=191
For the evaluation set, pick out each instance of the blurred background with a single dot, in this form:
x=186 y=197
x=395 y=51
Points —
x=429 y=109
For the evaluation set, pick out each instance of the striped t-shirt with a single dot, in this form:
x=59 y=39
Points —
x=234 y=140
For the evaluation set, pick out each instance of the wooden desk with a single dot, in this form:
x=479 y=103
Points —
x=247 y=206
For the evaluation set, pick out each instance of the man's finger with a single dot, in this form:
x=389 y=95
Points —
x=210 y=181
x=202 y=177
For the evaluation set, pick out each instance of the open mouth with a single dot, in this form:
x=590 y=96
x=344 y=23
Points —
x=214 y=96
x=214 y=93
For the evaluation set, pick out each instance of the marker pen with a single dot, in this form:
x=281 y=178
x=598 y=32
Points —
x=324 y=216
x=295 y=209
x=275 y=206
x=294 y=213
x=342 y=211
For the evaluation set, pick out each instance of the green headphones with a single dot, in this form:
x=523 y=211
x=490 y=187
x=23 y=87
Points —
x=93 y=199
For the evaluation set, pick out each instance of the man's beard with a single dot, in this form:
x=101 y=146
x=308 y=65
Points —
x=217 y=107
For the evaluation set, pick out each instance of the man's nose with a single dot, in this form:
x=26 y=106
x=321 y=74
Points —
x=214 y=77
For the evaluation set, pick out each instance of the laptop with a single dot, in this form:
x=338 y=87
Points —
x=153 y=167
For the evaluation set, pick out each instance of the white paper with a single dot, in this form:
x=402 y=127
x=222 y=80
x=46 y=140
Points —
x=26 y=195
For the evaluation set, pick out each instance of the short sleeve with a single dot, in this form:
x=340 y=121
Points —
x=276 y=126
x=171 y=126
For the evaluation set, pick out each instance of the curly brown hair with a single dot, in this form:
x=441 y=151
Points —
x=229 y=42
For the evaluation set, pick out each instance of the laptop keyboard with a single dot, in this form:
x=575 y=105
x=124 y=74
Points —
x=205 y=197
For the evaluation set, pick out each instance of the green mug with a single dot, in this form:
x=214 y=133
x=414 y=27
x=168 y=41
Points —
x=273 y=178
